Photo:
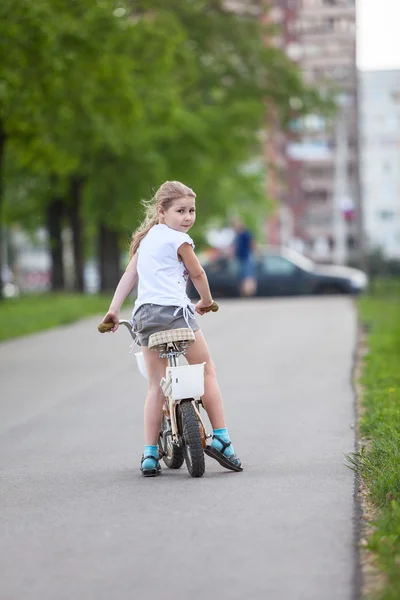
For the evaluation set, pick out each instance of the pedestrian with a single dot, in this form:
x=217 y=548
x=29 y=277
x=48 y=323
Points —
x=243 y=249
x=162 y=258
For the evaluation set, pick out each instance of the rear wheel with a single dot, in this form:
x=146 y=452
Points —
x=192 y=438
x=173 y=455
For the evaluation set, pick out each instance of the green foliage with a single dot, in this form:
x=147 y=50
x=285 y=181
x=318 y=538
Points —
x=385 y=543
x=128 y=95
x=33 y=313
x=379 y=462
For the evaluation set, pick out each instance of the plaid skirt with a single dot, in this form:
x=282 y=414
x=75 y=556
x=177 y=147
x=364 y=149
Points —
x=151 y=318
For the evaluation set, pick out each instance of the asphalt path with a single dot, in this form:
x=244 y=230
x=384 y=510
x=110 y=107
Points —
x=77 y=519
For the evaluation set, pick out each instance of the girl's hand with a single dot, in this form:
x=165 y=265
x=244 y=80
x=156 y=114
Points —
x=201 y=305
x=112 y=315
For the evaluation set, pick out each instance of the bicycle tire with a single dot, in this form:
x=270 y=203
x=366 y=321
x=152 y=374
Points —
x=192 y=442
x=175 y=457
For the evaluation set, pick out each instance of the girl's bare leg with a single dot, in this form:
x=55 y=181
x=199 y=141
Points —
x=198 y=352
x=154 y=401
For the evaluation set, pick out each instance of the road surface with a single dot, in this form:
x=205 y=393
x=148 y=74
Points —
x=77 y=519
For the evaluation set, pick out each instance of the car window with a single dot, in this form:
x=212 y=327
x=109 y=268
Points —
x=223 y=265
x=276 y=265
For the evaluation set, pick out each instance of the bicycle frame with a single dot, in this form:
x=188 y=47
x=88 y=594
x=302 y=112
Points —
x=170 y=403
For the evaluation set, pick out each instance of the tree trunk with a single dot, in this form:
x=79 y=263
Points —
x=2 y=147
x=54 y=214
x=109 y=255
x=75 y=220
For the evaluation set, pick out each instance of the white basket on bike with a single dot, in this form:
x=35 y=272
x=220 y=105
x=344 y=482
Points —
x=141 y=364
x=186 y=381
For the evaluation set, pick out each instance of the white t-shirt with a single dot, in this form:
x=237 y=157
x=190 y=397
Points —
x=162 y=277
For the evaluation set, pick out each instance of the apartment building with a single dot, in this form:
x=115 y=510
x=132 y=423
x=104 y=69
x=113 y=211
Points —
x=380 y=159
x=313 y=172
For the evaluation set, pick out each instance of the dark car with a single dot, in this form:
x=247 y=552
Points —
x=284 y=272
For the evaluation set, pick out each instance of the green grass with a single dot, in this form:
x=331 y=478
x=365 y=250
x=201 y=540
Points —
x=379 y=462
x=33 y=313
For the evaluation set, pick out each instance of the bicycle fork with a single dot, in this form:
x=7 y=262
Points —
x=170 y=407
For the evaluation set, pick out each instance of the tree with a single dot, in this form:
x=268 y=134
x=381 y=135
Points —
x=105 y=103
x=227 y=75
x=69 y=95
x=207 y=129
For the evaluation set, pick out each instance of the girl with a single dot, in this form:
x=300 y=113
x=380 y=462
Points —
x=162 y=257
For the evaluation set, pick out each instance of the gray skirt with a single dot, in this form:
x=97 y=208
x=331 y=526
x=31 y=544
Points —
x=151 y=318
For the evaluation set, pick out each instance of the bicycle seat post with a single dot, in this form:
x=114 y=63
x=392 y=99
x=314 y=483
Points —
x=172 y=353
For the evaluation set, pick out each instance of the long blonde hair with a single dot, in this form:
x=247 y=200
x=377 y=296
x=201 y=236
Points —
x=163 y=198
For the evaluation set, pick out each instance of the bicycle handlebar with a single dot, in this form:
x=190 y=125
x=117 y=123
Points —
x=104 y=327
x=213 y=308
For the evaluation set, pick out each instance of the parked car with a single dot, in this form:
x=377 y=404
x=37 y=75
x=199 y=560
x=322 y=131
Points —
x=283 y=272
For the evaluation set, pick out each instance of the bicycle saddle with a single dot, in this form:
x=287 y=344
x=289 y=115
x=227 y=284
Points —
x=180 y=338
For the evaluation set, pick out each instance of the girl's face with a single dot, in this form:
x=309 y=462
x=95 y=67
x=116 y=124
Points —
x=180 y=215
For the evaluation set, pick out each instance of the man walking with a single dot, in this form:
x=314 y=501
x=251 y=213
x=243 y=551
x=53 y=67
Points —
x=243 y=246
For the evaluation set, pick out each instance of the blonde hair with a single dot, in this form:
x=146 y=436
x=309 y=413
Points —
x=166 y=194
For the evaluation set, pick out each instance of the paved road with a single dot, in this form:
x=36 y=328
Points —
x=77 y=520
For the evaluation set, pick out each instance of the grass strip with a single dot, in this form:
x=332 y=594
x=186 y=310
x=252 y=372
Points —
x=378 y=462
x=33 y=313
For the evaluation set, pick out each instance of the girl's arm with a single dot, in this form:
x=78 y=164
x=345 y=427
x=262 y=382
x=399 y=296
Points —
x=124 y=286
x=197 y=275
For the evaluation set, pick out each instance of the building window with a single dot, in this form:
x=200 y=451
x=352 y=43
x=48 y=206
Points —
x=396 y=96
x=385 y=215
x=351 y=241
x=276 y=14
x=338 y=2
x=311 y=50
x=319 y=173
x=317 y=197
x=317 y=219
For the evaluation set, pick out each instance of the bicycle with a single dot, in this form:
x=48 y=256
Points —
x=183 y=434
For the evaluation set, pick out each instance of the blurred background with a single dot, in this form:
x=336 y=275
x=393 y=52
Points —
x=282 y=114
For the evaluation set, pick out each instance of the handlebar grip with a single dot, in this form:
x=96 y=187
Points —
x=213 y=308
x=103 y=327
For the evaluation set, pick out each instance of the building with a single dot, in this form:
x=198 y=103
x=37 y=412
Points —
x=314 y=168
x=380 y=159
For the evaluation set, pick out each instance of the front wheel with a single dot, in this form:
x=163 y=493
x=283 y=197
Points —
x=172 y=455
x=192 y=439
